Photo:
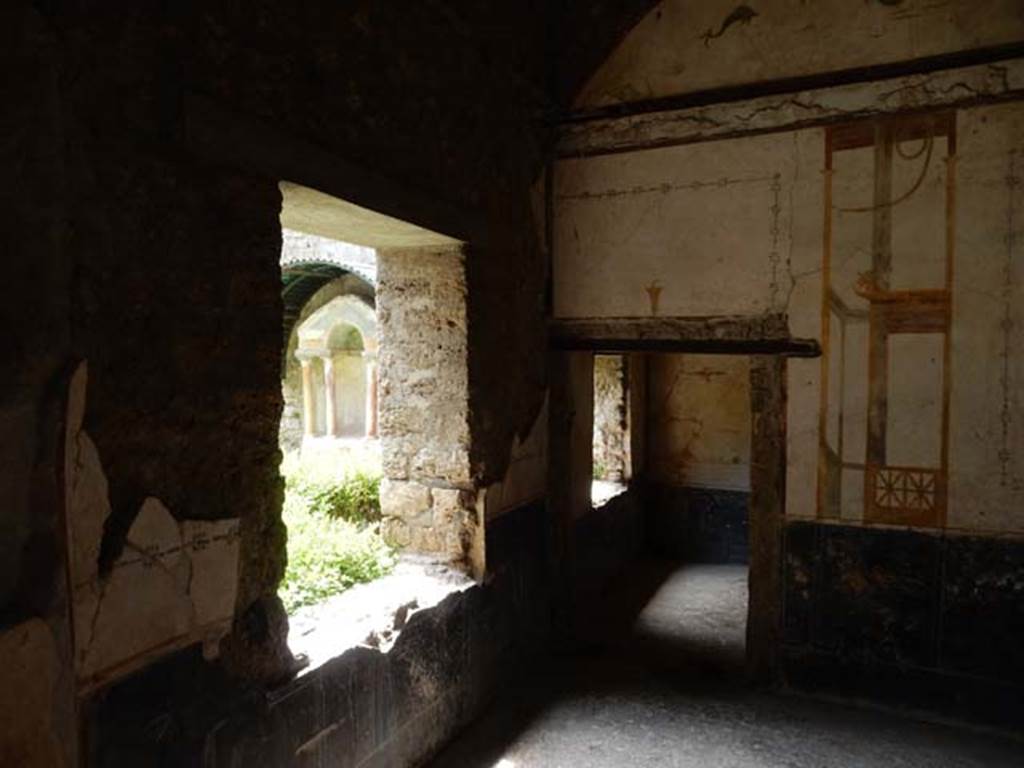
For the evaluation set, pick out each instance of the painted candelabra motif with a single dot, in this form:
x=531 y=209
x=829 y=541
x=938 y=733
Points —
x=886 y=314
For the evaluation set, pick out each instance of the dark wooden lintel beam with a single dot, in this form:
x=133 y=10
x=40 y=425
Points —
x=784 y=347
x=725 y=335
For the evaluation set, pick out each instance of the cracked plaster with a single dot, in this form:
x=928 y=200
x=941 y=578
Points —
x=953 y=87
x=173 y=584
x=683 y=47
x=699 y=422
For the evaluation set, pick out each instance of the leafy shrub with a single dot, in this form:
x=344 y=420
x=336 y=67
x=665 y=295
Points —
x=333 y=540
x=354 y=497
x=327 y=555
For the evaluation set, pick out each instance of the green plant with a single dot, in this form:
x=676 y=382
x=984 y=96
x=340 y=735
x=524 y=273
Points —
x=333 y=540
x=354 y=497
x=327 y=555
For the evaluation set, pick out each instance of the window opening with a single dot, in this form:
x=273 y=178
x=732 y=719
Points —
x=611 y=434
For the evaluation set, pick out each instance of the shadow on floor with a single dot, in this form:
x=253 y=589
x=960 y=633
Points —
x=660 y=684
x=686 y=622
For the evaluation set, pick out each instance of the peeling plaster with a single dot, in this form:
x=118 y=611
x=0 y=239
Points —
x=174 y=583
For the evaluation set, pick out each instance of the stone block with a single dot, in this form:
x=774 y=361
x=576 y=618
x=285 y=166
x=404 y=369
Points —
x=396 y=532
x=403 y=500
x=427 y=540
x=448 y=506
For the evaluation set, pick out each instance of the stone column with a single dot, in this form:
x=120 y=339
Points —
x=308 y=401
x=428 y=496
x=331 y=406
x=371 y=394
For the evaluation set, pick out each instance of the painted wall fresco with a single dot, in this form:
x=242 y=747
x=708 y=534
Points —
x=896 y=243
x=886 y=320
x=921 y=412
x=682 y=46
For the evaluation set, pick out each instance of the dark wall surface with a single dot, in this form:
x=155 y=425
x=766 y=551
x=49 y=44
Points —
x=920 y=620
x=699 y=525
x=160 y=267
x=605 y=541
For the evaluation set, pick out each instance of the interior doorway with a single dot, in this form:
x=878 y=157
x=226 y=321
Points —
x=698 y=484
x=707 y=480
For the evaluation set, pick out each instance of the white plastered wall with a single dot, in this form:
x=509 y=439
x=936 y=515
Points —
x=735 y=227
x=682 y=46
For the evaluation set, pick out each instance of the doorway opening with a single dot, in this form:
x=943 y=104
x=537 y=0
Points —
x=698 y=500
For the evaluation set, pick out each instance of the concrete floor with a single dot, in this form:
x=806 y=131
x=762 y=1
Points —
x=664 y=688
